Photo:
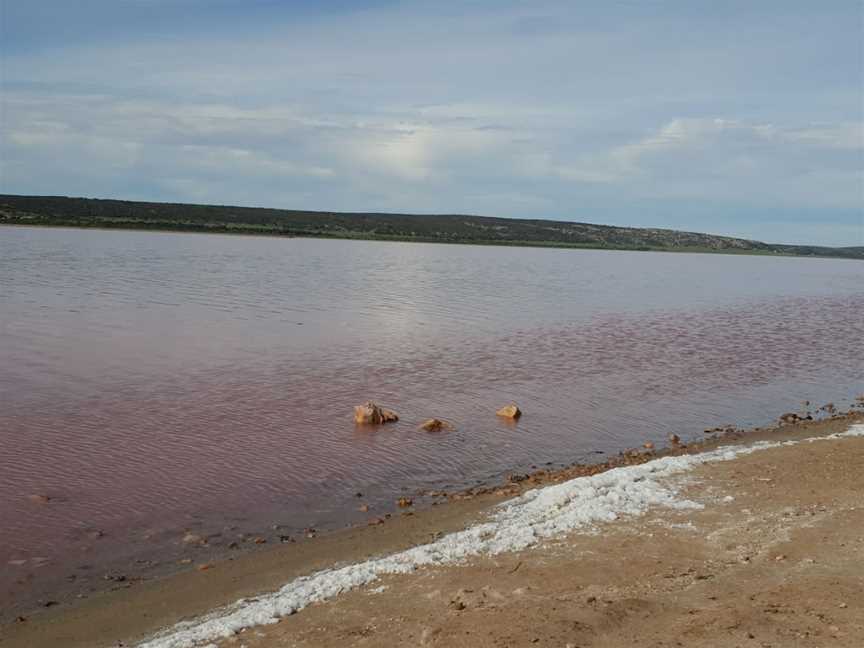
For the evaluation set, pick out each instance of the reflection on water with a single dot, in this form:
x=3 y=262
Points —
x=155 y=382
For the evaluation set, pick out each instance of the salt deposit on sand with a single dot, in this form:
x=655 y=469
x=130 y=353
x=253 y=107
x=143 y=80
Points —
x=515 y=525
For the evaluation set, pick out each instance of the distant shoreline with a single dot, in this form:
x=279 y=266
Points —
x=461 y=229
x=228 y=230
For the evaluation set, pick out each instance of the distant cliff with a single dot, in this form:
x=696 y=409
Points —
x=444 y=228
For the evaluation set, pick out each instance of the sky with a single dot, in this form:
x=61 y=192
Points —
x=736 y=117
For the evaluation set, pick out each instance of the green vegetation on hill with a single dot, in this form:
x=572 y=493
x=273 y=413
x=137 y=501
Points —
x=444 y=228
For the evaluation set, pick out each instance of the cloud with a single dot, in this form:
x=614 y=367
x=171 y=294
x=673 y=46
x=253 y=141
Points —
x=597 y=111
x=716 y=157
x=243 y=162
x=831 y=136
x=422 y=151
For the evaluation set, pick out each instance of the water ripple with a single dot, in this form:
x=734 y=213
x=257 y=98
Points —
x=152 y=379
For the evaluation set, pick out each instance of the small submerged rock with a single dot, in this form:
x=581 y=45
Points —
x=194 y=538
x=511 y=411
x=370 y=413
x=435 y=425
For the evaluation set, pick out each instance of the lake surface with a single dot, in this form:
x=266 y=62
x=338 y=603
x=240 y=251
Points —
x=155 y=383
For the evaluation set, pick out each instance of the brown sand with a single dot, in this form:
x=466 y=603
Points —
x=780 y=565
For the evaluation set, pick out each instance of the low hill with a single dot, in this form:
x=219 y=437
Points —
x=443 y=228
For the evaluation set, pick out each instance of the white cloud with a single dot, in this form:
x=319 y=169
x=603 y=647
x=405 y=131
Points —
x=548 y=109
x=58 y=139
x=837 y=136
x=243 y=161
x=419 y=152
x=715 y=158
x=439 y=147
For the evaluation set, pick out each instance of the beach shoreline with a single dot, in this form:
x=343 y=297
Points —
x=761 y=547
x=135 y=609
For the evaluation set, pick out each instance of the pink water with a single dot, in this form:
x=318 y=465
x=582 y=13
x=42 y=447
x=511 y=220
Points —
x=152 y=383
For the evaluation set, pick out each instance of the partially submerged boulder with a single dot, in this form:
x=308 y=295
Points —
x=510 y=411
x=370 y=413
x=194 y=539
x=435 y=425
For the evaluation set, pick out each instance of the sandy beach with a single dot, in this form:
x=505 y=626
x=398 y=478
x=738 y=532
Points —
x=770 y=554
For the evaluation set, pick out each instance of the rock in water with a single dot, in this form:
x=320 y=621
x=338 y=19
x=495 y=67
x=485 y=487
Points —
x=389 y=416
x=510 y=411
x=435 y=425
x=370 y=413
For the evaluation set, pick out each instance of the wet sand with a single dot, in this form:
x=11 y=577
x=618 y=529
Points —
x=716 y=576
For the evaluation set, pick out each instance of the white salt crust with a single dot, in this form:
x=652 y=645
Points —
x=515 y=525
